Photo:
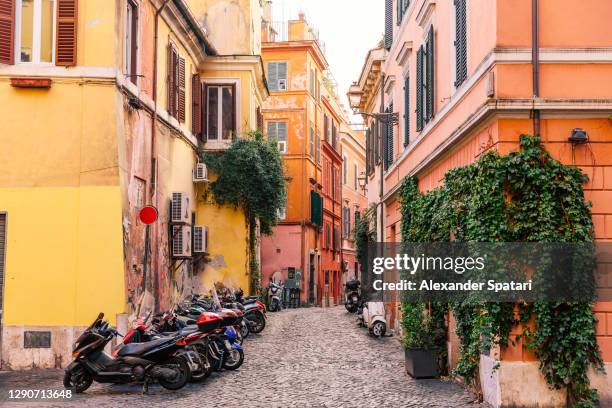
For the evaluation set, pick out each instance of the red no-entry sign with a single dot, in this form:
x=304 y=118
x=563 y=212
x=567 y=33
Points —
x=148 y=214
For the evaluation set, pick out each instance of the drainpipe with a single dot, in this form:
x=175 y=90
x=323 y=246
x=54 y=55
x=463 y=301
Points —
x=535 y=61
x=153 y=194
x=382 y=165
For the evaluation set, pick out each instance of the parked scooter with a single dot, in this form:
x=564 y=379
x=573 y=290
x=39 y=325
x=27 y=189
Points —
x=275 y=292
x=373 y=317
x=352 y=295
x=143 y=362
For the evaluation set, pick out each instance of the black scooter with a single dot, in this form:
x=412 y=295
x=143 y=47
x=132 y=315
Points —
x=352 y=296
x=135 y=363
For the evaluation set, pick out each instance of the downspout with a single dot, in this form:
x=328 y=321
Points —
x=382 y=165
x=153 y=193
x=535 y=61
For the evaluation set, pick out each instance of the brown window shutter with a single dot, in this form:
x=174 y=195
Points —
x=260 y=121
x=66 y=33
x=7 y=31
x=196 y=106
x=181 y=90
x=171 y=81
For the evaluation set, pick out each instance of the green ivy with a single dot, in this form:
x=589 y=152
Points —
x=526 y=196
x=250 y=176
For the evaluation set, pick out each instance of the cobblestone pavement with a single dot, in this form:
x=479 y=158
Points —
x=304 y=358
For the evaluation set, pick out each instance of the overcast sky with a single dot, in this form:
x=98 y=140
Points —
x=349 y=28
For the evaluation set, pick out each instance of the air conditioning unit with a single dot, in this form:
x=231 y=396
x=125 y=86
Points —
x=282 y=146
x=200 y=173
x=181 y=241
x=180 y=209
x=200 y=239
x=282 y=84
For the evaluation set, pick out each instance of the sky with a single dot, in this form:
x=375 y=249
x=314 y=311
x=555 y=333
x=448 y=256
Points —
x=349 y=29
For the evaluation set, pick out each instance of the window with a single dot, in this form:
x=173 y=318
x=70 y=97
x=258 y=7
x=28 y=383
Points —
x=319 y=148
x=425 y=81
x=277 y=131
x=176 y=84
x=334 y=135
x=344 y=169
x=388 y=40
x=35 y=31
x=326 y=127
x=277 y=76
x=460 y=42
x=346 y=221
x=220 y=112
x=388 y=139
x=311 y=142
x=282 y=212
x=327 y=236
x=131 y=41
x=357 y=215
x=406 y=111
x=402 y=6
x=355 y=176
x=312 y=81
x=319 y=92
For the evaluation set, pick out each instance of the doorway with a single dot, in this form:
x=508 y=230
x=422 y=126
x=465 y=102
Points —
x=311 y=280
x=2 y=267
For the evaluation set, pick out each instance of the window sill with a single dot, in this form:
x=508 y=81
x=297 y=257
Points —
x=29 y=82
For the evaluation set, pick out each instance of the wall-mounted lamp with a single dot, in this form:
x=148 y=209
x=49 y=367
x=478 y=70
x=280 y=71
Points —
x=579 y=136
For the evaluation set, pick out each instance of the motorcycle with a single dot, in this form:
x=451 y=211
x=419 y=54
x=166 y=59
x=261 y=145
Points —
x=275 y=291
x=352 y=295
x=157 y=360
x=373 y=317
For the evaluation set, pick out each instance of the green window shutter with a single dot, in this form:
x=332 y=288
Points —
x=388 y=139
x=316 y=208
x=430 y=80
x=388 y=23
x=272 y=131
x=460 y=42
x=406 y=111
x=419 y=90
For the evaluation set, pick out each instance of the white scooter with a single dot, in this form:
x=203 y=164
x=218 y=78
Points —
x=373 y=317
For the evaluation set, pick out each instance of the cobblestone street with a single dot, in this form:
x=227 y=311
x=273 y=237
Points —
x=304 y=358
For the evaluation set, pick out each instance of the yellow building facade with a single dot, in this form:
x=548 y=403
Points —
x=92 y=132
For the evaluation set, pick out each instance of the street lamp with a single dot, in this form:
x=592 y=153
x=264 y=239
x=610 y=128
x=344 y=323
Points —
x=363 y=181
x=355 y=94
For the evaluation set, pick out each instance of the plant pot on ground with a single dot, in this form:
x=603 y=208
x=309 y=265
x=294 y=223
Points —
x=425 y=334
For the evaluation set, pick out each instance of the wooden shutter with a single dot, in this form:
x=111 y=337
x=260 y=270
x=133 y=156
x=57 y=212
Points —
x=419 y=90
x=171 y=71
x=66 y=33
x=7 y=32
x=181 y=90
x=204 y=112
x=282 y=72
x=388 y=23
x=259 y=116
x=196 y=106
x=234 y=104
x=273 y=76
x=460 y=42
x=430 y=74
x=406 y=111
x=368 y=149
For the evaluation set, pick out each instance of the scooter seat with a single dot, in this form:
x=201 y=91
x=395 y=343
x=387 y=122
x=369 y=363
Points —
x=140 y=348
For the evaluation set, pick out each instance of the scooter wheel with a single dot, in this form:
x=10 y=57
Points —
x=244 y=330
x=78 y=379
x=378 y=329
x=233 y=359
x=182 y=377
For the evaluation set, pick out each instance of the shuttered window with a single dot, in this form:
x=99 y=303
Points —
x=388 y=24
x=402 y=6
x=355 y=176
x=131 y=41
x=311 y=143
x=319 y=148
x=326 y=128
x=460 y=42
x=181 y=95
x=377 y=137
x=2 y=256
x=425 y=81
x=7 y=31
x=430 y=72
x=172 y=80
x=368 y=137
x=196 y=106
x=313 y=81
x=406 y=111
x=220 y=111
x=259 y=116
x=277 y=76
x=66 y=33
x=388 y=138
x=346 y=221
x=334 y=135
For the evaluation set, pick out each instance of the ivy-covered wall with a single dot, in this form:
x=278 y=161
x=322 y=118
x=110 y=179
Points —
x=523 y=196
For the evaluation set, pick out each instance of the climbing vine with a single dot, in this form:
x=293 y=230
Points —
x=526 y=196
x=250 y=176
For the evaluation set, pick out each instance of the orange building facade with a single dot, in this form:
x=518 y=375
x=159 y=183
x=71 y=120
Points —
x=463 y=78
x=304 y=116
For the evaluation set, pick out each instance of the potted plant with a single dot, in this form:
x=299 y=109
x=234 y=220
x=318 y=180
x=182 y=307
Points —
x=424 y=336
